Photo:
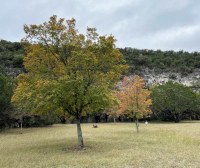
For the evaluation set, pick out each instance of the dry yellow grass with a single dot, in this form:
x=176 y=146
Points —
x=158 y=145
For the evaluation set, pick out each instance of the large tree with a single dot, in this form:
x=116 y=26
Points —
x=68 y=72
x=134 y=99
x=171 y=100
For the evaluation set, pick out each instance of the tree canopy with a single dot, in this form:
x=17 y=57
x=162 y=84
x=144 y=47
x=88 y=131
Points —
x=171 y=100
x=68 y=72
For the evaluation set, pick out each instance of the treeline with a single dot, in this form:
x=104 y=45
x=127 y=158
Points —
x=161 y=61
x=11 y=57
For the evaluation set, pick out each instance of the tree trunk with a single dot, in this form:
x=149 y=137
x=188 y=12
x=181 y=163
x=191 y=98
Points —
x=79 y=133
x=21 y=126
x=114 y=120
x=137 y=125
x=176 y=118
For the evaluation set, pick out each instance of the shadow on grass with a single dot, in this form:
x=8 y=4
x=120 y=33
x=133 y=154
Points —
x=69 y=146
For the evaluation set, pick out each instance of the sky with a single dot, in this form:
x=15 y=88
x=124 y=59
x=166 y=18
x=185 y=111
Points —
x=143 y=24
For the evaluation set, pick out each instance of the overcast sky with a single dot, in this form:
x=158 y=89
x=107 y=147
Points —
x=147 y=24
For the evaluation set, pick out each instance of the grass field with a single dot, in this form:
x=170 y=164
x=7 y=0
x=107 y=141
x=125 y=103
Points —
x=158 y=145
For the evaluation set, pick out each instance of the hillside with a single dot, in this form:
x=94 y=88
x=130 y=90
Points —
x=155 y=66
x=11 y=58
x=161 y=66
x=162 y=61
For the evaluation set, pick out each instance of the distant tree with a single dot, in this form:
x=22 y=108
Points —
x=6 y=90
x=134 y=99
x=196 y=111
x=68 y=72
x=171 y=100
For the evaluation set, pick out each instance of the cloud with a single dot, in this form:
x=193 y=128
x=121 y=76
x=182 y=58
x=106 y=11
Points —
x=155 y=24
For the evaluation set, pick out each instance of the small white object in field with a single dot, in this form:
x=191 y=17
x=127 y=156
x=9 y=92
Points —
x=146 y=123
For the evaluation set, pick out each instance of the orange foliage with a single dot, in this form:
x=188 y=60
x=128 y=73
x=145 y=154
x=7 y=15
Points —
x=134 y=98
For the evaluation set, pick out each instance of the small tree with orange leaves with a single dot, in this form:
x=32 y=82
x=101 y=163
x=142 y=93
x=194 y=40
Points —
x=134 y=99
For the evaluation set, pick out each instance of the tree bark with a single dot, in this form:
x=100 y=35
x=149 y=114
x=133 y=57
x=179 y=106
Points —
x=79 y=133
x=176 y=118
x=21 y=126
x=137 y=125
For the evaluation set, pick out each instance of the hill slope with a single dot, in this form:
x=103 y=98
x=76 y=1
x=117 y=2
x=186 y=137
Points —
x=155 y=66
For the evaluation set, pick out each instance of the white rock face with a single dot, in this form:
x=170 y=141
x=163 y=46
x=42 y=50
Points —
x=151 y=77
